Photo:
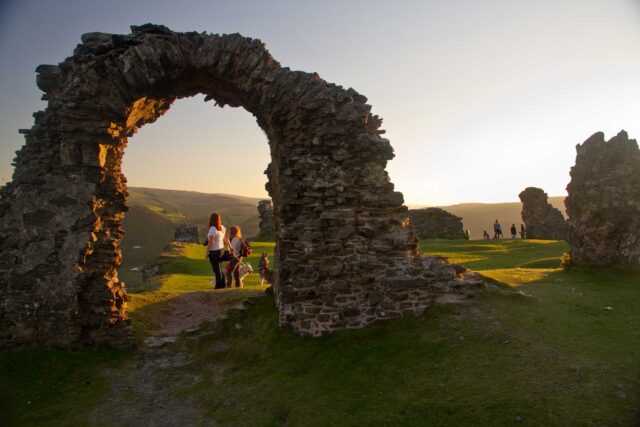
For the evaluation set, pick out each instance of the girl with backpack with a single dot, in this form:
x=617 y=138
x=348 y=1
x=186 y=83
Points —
x=216 y=239
x=238 y=251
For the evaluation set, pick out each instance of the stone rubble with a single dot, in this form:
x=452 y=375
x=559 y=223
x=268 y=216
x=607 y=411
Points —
x=186 y=233
x=436 y=223
x=346 y=255
x=267 y=221
x=541 y=220
x=604 y=203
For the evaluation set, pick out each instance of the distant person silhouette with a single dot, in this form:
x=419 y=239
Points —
x=485 y=235
x=523 y=232
x=514 y=231
x=497 y=230
x=467 y=234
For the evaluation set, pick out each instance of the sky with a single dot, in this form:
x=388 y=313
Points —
x=480 y=98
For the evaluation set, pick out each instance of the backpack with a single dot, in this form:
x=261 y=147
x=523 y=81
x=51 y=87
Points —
x=245 y=248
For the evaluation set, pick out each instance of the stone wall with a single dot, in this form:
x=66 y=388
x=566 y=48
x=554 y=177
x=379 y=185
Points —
x=604 y=203
x=541 y=220
x=267 y=220
x=186 y=233
x=345 y=252
x=436 y=223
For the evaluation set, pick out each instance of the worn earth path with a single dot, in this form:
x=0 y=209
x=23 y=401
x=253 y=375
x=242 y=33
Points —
x=155 y=386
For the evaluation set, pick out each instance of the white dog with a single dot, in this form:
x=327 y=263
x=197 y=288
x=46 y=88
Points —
x=245 y=269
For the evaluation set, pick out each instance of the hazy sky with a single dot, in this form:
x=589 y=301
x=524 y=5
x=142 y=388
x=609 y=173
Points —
x=480 y=98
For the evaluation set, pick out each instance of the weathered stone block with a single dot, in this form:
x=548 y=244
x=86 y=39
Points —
x=603 y=203
x=541 y=220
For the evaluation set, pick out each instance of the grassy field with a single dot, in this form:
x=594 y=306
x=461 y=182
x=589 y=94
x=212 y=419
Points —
x=540 y=347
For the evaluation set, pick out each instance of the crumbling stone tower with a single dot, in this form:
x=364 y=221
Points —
x=345 y=254
x=542 y=221
x=267 y=220
x=604 y=202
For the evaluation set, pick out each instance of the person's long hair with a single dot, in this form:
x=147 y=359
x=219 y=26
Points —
x=236 y=232
x=215 y=221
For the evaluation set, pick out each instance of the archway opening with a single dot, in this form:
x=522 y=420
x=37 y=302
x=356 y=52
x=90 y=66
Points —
x=195 y=160
x=224 y=162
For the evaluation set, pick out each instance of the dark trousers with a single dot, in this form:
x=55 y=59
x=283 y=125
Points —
x=234 y=274
x=214 y=259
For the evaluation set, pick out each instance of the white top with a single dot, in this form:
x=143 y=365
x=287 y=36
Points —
x=236 y=244
x=218 y=238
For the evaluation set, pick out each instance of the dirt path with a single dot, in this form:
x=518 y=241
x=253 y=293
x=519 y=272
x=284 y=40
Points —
x=146 y=390
x=188 y=311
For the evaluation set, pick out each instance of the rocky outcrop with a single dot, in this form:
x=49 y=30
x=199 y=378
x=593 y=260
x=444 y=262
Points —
x=604 y=203
x=186 y=233
x=436 y=223
x=345 y=253
x=267 y=220
x=541 y=220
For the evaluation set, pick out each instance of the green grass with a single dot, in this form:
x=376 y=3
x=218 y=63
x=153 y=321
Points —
x=186 y=270
x=492 y=254
x=52 y=387
x=543 y=347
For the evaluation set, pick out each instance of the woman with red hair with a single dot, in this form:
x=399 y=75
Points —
x=216 y=239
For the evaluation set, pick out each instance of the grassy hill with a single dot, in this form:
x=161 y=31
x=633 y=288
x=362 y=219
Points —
x=541 y=347
x=154 y=214
x=481 y=216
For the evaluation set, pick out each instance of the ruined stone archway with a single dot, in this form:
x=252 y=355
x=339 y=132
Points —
x=345 y=251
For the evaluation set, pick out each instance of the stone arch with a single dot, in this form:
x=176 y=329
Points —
x=346 y=254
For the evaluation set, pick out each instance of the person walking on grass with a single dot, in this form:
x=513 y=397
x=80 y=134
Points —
x=216 y=239
x=235 y=247
x=523 y=232
x=514 y=231
x=497 y=230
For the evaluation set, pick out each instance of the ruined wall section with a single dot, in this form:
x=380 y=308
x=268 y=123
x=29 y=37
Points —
x=186 y=233
x=604 y=203
x=436 y=223
x=541 y=220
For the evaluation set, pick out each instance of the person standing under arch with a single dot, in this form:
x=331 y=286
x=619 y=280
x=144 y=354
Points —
x=235 y=246
x=216 y=239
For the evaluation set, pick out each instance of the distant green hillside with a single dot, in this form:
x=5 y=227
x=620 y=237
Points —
x=154 y=214
x=481 y=216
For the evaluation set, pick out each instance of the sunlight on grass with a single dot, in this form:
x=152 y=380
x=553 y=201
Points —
x=460 y=258
x=518 y=276
x=173 y=216
x=481 y=255
x=186 y=270
x=178 y=283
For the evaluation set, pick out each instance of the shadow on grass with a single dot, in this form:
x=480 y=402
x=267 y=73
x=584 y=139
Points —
x=505 y=357
x=53 y=387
